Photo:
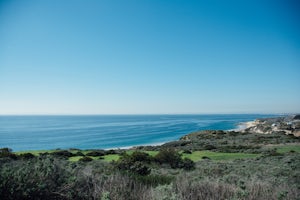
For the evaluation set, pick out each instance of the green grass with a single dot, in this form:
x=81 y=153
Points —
x=75 y=158
x=111 y=157
x=288 y=148
x=151 y=153
x=197 y=155
x=107 y=158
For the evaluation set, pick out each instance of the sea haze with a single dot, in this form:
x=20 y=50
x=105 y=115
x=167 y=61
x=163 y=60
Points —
x=107 y=131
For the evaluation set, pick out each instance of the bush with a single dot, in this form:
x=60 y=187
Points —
x=37 y=178
x=209 y=147
x=140 y=156
x=169 y=156
x=96 y=153
x=140 y=169
x=5 y=150
x=271 y=152
x=85 y=159
x=187 y=164
x=111 y=151
x=134 y=163
x=173 y=158
x=187 y=151
x=155 y=180
x=26 y=155
x=7 y=153
x=79 y=153
x=63 y=153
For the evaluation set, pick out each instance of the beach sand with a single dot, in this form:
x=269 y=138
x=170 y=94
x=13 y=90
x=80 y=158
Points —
x=244 y=125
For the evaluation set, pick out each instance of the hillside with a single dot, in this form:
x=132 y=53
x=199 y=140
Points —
x=289 y=125
x=210 y=164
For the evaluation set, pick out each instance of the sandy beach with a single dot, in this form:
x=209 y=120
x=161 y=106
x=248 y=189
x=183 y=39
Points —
x=244 y=125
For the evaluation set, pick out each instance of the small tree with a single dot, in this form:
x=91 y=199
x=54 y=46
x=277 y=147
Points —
x=169 y=156
x=134 y=163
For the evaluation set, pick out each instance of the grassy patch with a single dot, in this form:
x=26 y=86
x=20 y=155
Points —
x=111 y=157
x=151 y=153
x=107 y=158
x=75 y=158
x=197 y=155
x=288 y=148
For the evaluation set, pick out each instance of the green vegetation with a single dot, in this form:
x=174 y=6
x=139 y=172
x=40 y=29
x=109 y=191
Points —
x=228 y=141
x=111 y=157
x=195 y=155
x=203 y=165
x=288 y=148
x=198 y=155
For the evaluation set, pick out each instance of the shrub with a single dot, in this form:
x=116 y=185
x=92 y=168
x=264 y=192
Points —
x=111 y=151
x=169 y=156
x=37 y=178
x=26 y=155
x=187 y=151
x=155 y=180
x=271 y=152
x=63 y=153
x=187 y=164
x=209 y=147
x=140 y=169
x=140 y=156
x=5 y=150
x=7 y=153
x=96 y=153
x=79 y=153
x=134 y=163
x=85 y=159
x=180 y=143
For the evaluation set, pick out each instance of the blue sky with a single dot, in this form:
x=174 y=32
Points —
x=149 y=57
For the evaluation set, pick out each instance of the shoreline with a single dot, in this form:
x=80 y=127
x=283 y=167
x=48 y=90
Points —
x=136 y=146
x=107 y=133
x=239 y=127
x=245 y=125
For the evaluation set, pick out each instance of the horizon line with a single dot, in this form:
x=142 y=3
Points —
x=116 y=114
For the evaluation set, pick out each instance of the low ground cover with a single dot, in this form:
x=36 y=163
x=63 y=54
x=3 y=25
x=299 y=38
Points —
x=195 y=155
x=227 y=166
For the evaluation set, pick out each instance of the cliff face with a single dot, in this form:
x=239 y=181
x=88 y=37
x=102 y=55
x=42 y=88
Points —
x=289 y=125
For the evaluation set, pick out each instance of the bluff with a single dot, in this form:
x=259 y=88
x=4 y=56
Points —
x=289 y=125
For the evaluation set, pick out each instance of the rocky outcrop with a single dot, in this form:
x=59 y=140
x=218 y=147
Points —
x=289 y=125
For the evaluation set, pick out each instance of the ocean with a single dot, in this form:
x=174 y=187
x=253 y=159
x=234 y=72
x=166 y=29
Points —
x=107 y=131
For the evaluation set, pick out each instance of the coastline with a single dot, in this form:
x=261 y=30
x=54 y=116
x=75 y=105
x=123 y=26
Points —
x=136 y=146
x=117 y=132
x=245 y=125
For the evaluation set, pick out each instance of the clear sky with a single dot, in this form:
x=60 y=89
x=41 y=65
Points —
x=149 y=56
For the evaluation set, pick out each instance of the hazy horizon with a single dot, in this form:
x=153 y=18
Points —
x=136 y=114
x=149 y=57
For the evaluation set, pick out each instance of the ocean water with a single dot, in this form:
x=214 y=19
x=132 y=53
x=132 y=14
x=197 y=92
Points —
x=106 y=131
